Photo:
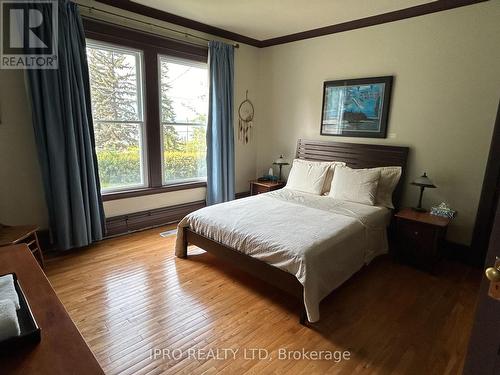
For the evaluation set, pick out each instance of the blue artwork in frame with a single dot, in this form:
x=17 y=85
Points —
x=356 y=107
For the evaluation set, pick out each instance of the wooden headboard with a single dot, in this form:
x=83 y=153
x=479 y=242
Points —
x=357 y=155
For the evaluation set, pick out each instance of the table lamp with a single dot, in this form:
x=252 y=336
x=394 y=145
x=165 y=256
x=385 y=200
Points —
x=424 y=182
x=281 y=162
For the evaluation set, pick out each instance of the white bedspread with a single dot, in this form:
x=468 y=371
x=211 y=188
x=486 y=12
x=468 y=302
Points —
x=320 y=240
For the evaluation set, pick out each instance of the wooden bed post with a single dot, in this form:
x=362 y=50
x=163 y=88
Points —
x=303 y=316
x=184 y=243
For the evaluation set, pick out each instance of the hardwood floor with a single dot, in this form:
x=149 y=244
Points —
x=129 y=295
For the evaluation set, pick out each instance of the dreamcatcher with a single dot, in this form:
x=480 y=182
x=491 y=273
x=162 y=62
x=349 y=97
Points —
x=245 y=124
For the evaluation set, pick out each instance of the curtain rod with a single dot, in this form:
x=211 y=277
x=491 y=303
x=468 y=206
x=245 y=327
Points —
x=186 y=34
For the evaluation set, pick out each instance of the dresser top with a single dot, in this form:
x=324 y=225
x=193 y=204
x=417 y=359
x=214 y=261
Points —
x=62 y=349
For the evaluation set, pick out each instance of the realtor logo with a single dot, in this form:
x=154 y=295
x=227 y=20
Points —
x=29 y=34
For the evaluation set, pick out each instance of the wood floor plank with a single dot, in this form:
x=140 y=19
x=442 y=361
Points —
x=129 y=296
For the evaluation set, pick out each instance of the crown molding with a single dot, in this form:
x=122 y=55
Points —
x=180 y=21
x=397 y=15
x=415 y=11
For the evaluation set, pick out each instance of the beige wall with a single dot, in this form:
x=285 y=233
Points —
x=21 y=194
x=445 y=94
x=147 y=202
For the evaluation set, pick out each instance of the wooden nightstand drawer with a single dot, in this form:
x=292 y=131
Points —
x=418 y=237
x=259 y=187
x=416 y=243
x=422 y=235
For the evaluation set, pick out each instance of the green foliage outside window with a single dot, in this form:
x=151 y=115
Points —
x=122 y=168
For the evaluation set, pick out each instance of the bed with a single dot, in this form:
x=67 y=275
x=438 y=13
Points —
x=305 y=244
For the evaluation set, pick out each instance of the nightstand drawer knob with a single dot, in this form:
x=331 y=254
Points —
x=415 y=233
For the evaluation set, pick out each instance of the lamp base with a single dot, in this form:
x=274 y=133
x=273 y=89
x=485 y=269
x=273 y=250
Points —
x=419 y=209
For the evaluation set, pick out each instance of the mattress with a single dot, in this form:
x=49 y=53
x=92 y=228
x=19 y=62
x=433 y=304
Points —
x=320 y=240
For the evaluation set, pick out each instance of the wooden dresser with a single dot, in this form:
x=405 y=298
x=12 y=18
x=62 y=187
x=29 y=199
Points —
x=62 y=349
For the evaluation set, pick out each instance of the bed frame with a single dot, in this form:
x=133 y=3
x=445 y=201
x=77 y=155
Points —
x=355 y=156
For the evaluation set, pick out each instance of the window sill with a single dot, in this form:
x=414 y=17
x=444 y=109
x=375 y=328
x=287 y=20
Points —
x=151 y=190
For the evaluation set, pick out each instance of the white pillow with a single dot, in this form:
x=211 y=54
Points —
x=307 y=176
x=389 y=178
x=329 y=175
x=355 y=185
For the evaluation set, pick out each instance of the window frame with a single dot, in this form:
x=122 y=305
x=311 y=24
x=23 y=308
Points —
x=192 y=63
x=152 y=45
x=92 y=43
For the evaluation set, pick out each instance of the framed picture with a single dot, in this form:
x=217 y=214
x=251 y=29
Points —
x=356 y=107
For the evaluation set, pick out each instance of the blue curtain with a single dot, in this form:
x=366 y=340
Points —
x=64 y=135
x=220 y=132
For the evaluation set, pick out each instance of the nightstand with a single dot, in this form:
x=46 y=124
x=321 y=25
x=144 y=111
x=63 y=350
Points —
x=419 y=237
x=259 y=187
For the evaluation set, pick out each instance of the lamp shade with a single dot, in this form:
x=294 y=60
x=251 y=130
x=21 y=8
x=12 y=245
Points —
x=281 y=161
x=423 y=181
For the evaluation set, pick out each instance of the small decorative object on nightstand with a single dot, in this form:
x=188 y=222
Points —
x=424 y=182
x=419 y=236
x=443 y=210
x=280 y=162
x=259 y=187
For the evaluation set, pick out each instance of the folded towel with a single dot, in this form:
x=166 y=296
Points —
x=8 y=291
x=9 y=325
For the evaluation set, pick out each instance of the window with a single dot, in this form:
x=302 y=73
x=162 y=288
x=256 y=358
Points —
x=150 y=104
x=117 y=109
x=183 y=114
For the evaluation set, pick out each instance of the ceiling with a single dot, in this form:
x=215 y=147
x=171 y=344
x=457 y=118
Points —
x=266 y=19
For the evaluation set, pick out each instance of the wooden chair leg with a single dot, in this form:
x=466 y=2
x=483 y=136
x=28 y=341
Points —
x=40 y=253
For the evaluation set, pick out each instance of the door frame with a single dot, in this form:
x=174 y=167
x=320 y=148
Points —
x=489 y=198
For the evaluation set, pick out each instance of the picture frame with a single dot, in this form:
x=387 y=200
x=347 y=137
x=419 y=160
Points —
x=356 y=107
